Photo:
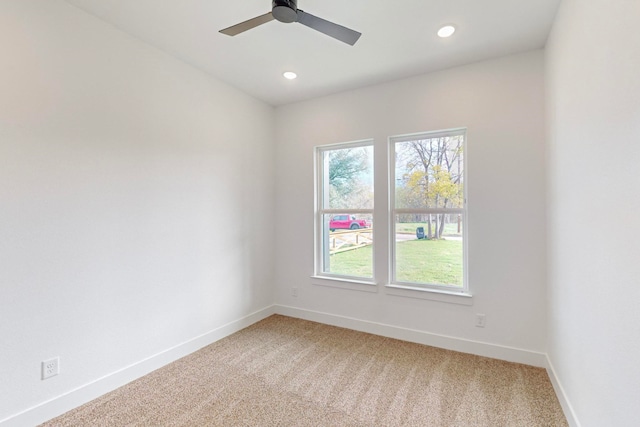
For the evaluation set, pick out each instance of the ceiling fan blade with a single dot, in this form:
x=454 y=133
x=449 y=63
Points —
x=247 y=25
x=336 y=31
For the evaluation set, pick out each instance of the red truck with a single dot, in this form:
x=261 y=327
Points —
x=348 y=222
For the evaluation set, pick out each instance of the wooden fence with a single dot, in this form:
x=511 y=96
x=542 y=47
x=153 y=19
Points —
x=347 y=240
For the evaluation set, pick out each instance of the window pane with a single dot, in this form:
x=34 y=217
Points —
x=346 y=245
x=348 y=178
x=429 y=173
x=429 y=249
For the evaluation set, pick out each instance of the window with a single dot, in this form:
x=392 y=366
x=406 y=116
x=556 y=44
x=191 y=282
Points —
x=428 y=211
x=344 y=210
x=427 y=214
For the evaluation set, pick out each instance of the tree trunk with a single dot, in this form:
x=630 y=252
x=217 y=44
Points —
x=442 y=225
x=429 y=226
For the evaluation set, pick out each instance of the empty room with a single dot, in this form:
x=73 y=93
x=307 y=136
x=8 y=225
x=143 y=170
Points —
x=319 y=213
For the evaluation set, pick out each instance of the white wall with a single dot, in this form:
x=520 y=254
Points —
x=501 y=103
x=136 y=201
x=593 y=91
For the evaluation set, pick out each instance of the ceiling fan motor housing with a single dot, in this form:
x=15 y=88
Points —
x=285 y=10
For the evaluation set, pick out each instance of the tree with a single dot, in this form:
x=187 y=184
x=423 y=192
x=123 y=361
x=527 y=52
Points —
x=347 y=188
x=432 y=176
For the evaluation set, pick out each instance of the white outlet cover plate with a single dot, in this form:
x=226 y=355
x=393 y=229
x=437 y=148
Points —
x=50 y=368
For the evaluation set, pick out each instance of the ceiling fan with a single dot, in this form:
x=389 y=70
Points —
x=287 y=11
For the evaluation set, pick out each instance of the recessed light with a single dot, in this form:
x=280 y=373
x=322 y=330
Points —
x=446 y=31
x=290 y=75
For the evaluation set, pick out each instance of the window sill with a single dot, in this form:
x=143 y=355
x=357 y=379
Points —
x=342 y=283
x=429 y=294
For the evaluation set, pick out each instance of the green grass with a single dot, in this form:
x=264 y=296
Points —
x=418 y=261
x=358 y=263
x=430 y=261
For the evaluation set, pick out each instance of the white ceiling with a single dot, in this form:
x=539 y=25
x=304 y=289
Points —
x=399 y=39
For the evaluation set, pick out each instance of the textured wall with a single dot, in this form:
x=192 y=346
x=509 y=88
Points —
x=136 y=201
x=501 y=103
x=593 y=63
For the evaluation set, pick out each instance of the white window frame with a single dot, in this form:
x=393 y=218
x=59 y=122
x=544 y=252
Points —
x=320 y=211
x=393 y=212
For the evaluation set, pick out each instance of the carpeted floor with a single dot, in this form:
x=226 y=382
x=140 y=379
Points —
x=290 y=372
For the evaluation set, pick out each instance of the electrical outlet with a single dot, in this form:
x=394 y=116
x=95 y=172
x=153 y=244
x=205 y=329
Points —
x=481 y=320
x=294 y=292
x=50 y=368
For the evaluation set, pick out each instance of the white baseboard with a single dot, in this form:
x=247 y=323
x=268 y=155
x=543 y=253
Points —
x=567 y=408
x=83 y=394
x=478 y=348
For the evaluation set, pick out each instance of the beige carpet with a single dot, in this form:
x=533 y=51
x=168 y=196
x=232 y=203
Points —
x=289 y=372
